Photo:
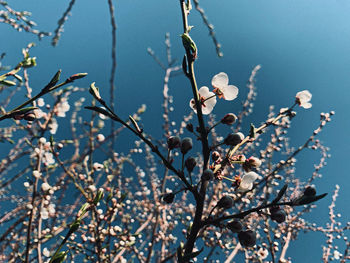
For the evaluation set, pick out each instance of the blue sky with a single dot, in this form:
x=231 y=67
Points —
x=300 y=45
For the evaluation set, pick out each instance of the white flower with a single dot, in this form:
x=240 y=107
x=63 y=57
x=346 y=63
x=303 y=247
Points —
x=97 y=166
x=263 y=253
x=221 y=87
x=36 y=174
x=303 y=98
x=46 y=252
x=337 y=255
x=207 y=100
x=247 y=181
x=45 y=187
x=42 y=140
x=100 y=137
x=53 y=126
x=41 y=102
x=48 y=158
x=62 y=108
x=92 y=188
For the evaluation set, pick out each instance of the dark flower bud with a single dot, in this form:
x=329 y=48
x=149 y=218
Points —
x=234 y=138
x=279 y=216
x=235 y=226
x=168 y=198
x=186 y=145
x=229 y=119
x=173 y=142
x=29 y=116
x=190 y=163
x=247 y=238
x=310 y=191
x=274 y=209
x=207 y=175
x=215 y=155
x=225 y=202
x=189 y=127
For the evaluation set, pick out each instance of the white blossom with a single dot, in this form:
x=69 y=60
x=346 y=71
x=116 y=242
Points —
x=303 y=98
x=45 y=187
x=46 y=252
x=222 y=88
x=207 y=100
x=62 y=108
x=247 y=181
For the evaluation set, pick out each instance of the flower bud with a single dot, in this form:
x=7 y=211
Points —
x=186 y=145
x=190 y=163
x=168 y=198
x=229 y=119
x=207 y=175
x=225 y=202
x=235 y=226
x=234 y=138
x=251 y=162
x=278 y=216
x=310 y=191
x=247 y=238
x=173 y=142
x=29 y=116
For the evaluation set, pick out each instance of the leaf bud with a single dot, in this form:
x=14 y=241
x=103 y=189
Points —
x=225 y=202
x=229 y=119
x=76 y=76
x=186 y=145
x=234 y=138
x=173 y=142
x=247 y=238
x=190 y=163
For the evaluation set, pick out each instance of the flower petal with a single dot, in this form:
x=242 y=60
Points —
x=193 y=105
x=209 y=105
x=204 y=92
x=230 y=92
x=249 y=178
x=220 y=80
x=304 y=96
x=306 y=105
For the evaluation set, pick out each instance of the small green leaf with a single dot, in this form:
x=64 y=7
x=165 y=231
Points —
x=134 y=123
x=7 y=82
x=95 y=92
x=18 y=77
x=59 y=257
x=53 y=81
x=98 y=197
x=99 y=110
x=252 y=132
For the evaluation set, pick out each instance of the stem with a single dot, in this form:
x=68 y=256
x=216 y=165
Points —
x=197 y=221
